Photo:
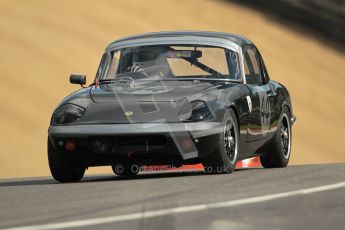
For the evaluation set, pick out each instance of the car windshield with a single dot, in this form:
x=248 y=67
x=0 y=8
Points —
x=169 y=62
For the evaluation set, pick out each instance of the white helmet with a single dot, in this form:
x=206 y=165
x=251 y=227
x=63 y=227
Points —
x=144 y=59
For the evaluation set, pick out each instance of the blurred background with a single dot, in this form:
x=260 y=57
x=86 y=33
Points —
x=42 y=42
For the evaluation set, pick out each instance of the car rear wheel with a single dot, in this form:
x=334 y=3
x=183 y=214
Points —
x=62 y=166
x=125 y=169
x=224 y=159
x=277 y=151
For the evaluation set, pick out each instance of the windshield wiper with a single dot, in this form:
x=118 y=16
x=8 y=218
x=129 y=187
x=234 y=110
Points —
x=200 y=79
x=121 y=79
x=107 y=80
x=124 y=80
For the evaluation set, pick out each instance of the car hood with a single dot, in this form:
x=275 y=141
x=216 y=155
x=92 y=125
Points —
x=149 y=91
x=146 y=102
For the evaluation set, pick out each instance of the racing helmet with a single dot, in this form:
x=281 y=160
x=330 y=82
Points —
x=144 y=59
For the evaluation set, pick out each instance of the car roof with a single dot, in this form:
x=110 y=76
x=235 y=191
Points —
x=168 y=35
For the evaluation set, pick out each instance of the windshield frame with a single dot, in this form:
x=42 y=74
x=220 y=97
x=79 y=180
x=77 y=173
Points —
x=224 y=44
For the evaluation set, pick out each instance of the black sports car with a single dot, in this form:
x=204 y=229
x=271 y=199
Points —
x=172 y=98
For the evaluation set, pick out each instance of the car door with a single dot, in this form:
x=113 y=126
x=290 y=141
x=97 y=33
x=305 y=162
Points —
x=259 y=101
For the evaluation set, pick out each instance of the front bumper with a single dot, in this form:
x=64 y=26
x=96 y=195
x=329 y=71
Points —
x=140 y=142
x=195 y=130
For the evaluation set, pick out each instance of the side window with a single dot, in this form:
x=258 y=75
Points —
x=234 y=67
x=100 y=71
x=264 y=69
x=252 y=67
x=114 y=66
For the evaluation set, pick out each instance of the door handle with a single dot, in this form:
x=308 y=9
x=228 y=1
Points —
x=272 y=94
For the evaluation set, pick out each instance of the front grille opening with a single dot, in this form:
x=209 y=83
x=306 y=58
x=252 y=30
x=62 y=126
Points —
x=126 y=144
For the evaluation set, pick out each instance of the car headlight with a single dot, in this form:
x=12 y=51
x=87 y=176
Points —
x=200 y=111
x=185 y=112
x=67 y=114
x=194 y=111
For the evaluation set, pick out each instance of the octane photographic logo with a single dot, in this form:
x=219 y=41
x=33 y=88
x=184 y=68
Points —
x=154 y=118
x=119 y=169
x=218 y=169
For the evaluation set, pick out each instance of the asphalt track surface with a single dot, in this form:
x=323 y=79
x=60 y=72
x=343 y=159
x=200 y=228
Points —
x=297 y=197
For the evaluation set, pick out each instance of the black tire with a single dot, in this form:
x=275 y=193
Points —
x=126 y=169
x=62 y=166
x=224 y=158
x=276 y=153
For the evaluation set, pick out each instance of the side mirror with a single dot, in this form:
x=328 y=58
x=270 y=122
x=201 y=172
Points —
x=77 y=79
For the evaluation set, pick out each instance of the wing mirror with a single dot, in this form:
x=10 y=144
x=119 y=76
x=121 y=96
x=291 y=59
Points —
x=77 y=79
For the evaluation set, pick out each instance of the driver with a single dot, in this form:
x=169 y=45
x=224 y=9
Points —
x=151 y=62
x=142 y=60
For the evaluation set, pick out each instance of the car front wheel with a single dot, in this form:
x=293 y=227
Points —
x=62 y=166
x=224 y=159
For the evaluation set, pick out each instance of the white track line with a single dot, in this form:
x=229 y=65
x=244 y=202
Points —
x=178 y=210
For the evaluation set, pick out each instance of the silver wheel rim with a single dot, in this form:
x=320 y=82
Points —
x=230 y=141
x=285 y=136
